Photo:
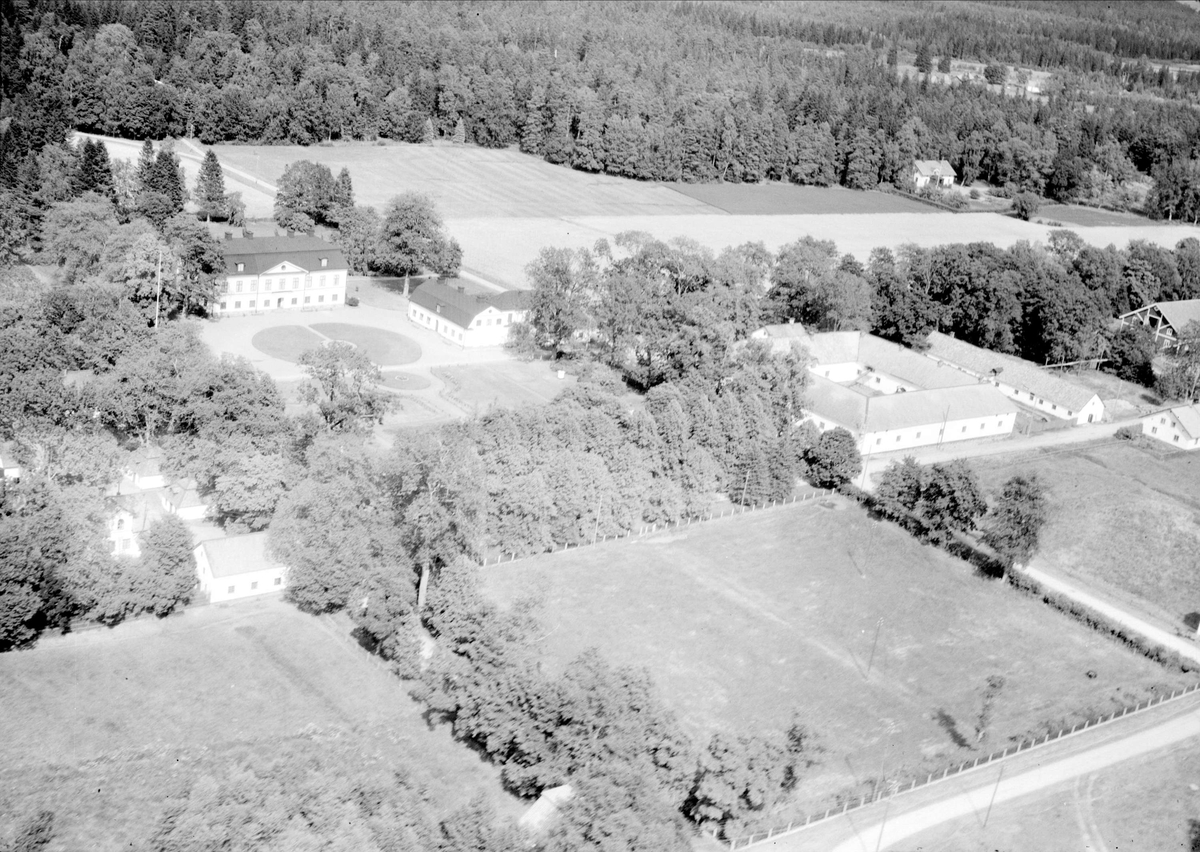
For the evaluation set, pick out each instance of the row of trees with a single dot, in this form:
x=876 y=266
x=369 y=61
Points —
x=656 y=311
x=729 y=97
x=943 y=501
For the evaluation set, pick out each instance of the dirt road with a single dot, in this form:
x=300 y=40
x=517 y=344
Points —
x=973 y=794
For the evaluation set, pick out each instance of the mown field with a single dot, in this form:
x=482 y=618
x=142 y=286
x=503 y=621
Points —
x=744 y=621
x=1124 y=520
x=772 y=199
x=100 y=727
x=501 y=248
x=468 y=181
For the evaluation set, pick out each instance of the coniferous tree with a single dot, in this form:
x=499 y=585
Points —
x=460 y=133
x=924 y=61
x=95 y=171
x=145 y=167
x=427 y=131
x=343 y=191
x=210 y=188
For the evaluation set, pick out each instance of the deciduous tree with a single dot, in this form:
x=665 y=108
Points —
x=1014 y=524
x=343 y=386
x=564 y=282
x=413 y=238
x=835 y=460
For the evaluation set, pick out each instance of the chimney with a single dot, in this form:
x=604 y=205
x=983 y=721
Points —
x=247 y=233
x=228 y=235
x=461 y=288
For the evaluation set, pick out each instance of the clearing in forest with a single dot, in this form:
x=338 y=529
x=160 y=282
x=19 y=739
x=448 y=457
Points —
x=744 y=621
x=98 y=726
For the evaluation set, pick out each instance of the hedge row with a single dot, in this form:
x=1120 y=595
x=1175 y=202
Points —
x=1098 y=621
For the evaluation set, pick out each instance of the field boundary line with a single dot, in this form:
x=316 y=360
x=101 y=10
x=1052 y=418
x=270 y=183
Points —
x=653 y=528
x=894 y=791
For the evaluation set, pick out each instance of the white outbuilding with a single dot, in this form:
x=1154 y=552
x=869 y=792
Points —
x=238 y=566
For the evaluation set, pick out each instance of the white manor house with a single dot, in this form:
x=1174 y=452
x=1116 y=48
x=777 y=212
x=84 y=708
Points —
x=293 y=273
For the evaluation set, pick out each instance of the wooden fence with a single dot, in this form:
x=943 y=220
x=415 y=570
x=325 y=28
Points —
x=952 y=771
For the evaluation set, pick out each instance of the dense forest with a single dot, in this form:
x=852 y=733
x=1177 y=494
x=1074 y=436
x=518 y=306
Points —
x=663 y=91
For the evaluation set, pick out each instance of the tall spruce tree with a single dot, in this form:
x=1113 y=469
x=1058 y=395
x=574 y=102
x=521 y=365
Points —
x=210 y=189
x=95 y=171
x=145 y=166
x=343 y=190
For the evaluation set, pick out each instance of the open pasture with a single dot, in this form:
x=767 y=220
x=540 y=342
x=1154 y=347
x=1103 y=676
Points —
x=100 y=727
x=1124 y=520
x=773 y=199
x=745 y=620
x=502 y=247
x=468 y=181
x=1075 y=215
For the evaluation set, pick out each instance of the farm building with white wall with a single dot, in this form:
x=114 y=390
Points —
x=1177 y=427
x=1020 y=380
x=238 y=566
x=466 y=313
x=906 y=419
x=267 y=274
x=890 y=397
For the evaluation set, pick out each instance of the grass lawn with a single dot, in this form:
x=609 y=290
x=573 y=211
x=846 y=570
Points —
x=1124 y=519
x=504 y=384
x=767 y=199
x=1141 y=805
x=286 y=342
x=383 y=347
x=100 y=727
x=1110 y=389
x=745 y=620
x=405 y=381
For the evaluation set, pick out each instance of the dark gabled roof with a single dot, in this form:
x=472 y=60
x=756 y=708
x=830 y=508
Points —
x=461 y=301
x=259 y=254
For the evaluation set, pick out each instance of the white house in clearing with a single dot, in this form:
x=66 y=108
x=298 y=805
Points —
x=238 y=566
x=1177 y=427
x=298 y=273
x=936 y=172
x=466 y=313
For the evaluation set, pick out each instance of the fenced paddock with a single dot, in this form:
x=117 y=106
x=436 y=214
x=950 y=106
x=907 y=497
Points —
x=815 y=609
